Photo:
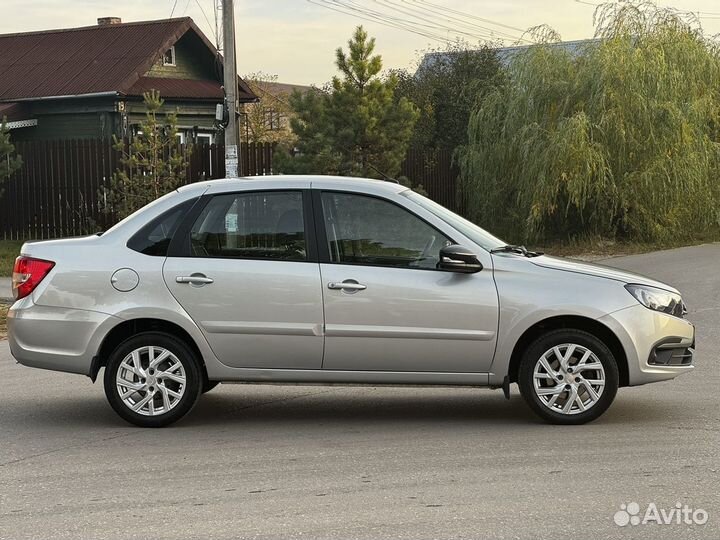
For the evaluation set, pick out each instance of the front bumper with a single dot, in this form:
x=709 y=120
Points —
x=59 y=339
x=645 y=335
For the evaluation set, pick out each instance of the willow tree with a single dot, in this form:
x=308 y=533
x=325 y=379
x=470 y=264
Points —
x=619 y=138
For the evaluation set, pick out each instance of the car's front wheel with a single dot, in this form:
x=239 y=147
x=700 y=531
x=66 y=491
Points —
x=568 y=377
x=152 y=379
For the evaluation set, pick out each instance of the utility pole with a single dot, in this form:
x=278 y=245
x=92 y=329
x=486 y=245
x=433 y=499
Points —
x=232 y=164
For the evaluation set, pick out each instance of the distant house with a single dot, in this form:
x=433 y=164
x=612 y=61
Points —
x=506 y=54
x=269 y=119
x=88 y=82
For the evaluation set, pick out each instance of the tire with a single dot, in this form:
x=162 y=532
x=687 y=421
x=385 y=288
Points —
x=163 y=393
x=209 y=385
x=577 y=393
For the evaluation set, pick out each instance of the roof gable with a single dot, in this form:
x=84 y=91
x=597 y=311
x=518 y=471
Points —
x=89 y=60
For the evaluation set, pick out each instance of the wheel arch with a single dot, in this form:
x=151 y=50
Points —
x=570 y=322
x=132 y=327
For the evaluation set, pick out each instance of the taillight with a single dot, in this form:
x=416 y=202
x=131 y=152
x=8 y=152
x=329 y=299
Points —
x=27 y=274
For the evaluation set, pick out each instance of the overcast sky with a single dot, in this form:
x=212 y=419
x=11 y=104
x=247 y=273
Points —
x=295 y=39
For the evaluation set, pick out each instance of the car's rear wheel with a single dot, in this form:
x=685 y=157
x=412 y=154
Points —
x=568 y=377
x=152 y=379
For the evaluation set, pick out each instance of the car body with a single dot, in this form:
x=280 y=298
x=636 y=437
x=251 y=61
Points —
x=300 y=279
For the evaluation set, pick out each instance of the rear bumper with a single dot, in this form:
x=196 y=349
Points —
x=643 y=333
x=59 y=339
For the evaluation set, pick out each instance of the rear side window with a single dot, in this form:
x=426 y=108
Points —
x=154 y=238
x=256 y=225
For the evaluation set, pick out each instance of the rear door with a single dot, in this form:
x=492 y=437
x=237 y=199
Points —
x=247 y=273
x=387 y=307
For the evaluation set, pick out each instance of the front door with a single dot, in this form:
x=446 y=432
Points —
x=249 y=282
x=387 y=307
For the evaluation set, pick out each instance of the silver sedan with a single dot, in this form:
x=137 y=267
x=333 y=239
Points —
x=328 y=280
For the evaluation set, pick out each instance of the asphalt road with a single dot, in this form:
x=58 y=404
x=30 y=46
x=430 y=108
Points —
x=328 y=462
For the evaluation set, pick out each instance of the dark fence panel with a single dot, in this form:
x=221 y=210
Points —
x=56 y=192
x=434 y=171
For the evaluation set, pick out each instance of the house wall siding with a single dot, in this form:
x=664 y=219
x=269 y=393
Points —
x=70 y=126
x=189 y=113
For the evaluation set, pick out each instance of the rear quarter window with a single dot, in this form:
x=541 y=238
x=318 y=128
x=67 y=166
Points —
x=154 y=238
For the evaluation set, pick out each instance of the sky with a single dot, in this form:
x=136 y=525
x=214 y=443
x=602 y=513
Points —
x=296 y=39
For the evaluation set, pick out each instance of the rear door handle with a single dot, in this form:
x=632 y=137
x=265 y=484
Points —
x=347 y=285
x=194 y=280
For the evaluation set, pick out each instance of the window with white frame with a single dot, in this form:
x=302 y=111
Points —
x=169 y=57
x=204 y=138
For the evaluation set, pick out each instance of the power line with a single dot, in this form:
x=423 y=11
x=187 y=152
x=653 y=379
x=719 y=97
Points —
x=353 y=13
x=697 y=14
x=431 y=10
x=210 y=25
x=470 y=16
x=419 y=20
x=414 y=19
x=172 y=11
x=395 y=22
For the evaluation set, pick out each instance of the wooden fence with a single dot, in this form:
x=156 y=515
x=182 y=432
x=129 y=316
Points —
x=435 y=172
x=56 y=192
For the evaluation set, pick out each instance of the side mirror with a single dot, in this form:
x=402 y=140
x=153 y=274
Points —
x=459 y=259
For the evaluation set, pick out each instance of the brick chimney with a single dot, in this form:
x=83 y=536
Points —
x=105 y=21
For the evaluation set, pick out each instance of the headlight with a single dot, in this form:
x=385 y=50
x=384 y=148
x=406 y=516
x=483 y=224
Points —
x=658 y=299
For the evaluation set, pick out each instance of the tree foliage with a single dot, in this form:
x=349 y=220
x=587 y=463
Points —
x=152 y=163
x=9 y=160
x=355 y=127
x=446 y=89
x=618 y=139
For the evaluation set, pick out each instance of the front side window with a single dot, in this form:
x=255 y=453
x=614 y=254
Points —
x=370 y=231
x=267 y=225
x=480 y=236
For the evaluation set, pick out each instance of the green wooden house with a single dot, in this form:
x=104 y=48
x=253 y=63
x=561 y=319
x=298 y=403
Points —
x=88 y=82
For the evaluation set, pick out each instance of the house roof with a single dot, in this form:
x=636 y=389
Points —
x=109 y=58
x=507 y=54
x=278 y=88
x=16 y=115
x=12 y=112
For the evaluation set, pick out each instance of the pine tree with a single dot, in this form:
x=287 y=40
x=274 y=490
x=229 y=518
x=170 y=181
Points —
x=355 y=127
x=152 y=164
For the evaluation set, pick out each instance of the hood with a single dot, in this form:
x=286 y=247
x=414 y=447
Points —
x=598 y=270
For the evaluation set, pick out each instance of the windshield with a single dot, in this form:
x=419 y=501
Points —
x=468 y=228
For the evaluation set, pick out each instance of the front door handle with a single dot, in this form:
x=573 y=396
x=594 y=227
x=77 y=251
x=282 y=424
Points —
x=347 y=285
x=194 y=279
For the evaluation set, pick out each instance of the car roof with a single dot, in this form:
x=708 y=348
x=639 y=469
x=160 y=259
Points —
x=366 y=185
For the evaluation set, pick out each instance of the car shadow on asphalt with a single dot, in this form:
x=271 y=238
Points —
x=327 y=407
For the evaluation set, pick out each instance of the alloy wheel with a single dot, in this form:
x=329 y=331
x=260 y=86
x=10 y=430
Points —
x=151 y=381
x=569 y=379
